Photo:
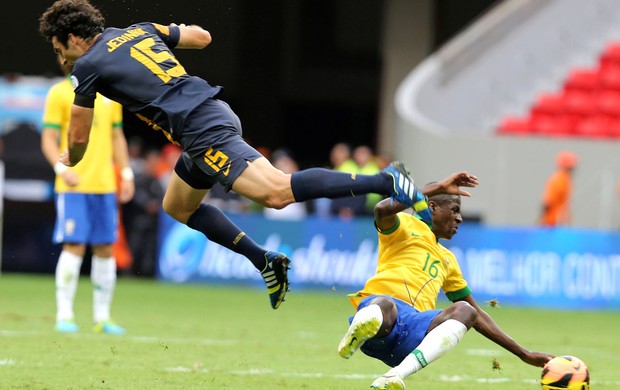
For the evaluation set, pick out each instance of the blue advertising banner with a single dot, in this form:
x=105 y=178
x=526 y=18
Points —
x=563 y=268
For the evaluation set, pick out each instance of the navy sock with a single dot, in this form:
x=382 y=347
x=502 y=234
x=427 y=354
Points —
x=316 y=183
x=214 y=224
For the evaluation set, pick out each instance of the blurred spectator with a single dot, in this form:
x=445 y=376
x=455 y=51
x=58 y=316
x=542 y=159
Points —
x=342 y=161
x=142 y=215
x=170 y=153
x=135 y=147
x=282 y=160
x=340 y=158
x=557 y=195
x=367 y=165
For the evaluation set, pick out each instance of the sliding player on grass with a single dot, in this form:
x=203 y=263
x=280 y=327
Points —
x=396 y=320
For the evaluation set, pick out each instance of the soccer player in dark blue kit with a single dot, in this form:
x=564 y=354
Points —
x=136 y=67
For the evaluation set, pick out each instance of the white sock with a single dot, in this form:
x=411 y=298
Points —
x=103 y=276
x=436 y=344
x=370 y=311
x=67 y=276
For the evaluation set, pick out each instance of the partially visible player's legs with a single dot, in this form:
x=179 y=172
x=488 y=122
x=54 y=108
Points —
x=264 y=184
x=103 y=277
x=184 y=204
x=67 y=276
x=445 y=332
x=375 y=320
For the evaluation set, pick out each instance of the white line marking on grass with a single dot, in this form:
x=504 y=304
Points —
x=185 y=369
x=7 y=362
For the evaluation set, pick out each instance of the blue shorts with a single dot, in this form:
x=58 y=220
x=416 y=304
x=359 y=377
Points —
x=409 y=330
x=90 y=219
x=217 y=153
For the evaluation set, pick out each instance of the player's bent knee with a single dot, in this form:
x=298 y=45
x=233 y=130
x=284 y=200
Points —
x=273 y=200
x=465 y=313
x=175 y=212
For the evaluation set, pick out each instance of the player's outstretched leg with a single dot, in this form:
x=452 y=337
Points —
x=406 y=192
x=364 y=326
x=276 y=277
x=388 y=382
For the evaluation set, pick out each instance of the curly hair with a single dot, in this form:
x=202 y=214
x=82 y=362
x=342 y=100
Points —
x=77 y=17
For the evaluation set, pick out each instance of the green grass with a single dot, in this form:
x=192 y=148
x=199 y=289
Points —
x=190 y=336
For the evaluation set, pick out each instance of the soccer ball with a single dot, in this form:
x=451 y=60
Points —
x=565 y=372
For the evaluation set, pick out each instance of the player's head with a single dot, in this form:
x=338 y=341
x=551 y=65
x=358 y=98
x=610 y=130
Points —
x=66 y=20
x=446 y=210
x=566 y=160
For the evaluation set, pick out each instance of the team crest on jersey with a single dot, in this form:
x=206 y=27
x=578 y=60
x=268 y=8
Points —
x=74 y=82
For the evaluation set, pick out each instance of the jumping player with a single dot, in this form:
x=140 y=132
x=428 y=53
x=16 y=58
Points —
x=136 y=67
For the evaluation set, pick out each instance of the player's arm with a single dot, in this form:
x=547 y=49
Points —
x=489 y=329
x=192 y=37
x=49 y=145
x=385 y=213
x=121 y=159
x=79 y=133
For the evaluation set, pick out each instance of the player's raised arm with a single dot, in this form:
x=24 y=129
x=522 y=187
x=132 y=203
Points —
x=193 y=37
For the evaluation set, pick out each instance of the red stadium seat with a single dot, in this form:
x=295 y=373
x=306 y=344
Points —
x=609 y=78
x=548 y=104
x=580 y=104
x=582 y=79
x=613 y=128
x=594 y=127
x=553 y=126
x=512 y=125
x=610 y=55
x=608 y=103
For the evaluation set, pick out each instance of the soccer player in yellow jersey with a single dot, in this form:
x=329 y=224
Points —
x=396 y=320
x=86 y=203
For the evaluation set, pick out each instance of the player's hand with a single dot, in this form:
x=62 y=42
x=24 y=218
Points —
x=71 y=178
x=126 y=191
x=64 y=158
x=453 y=183
x=537 y=359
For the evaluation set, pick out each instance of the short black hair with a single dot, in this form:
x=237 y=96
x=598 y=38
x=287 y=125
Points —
x=77 y=17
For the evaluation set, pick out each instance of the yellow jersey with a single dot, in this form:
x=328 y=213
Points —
x=413 y=266
x=96 y=170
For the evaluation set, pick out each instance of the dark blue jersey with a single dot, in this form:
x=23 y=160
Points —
x=135 y=67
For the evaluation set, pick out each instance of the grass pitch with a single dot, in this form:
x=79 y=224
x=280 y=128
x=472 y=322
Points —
x=226 y=337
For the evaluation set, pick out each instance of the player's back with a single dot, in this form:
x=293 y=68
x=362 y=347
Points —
x=135 y=67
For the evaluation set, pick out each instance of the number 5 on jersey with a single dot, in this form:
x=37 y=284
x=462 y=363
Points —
x=217 y=160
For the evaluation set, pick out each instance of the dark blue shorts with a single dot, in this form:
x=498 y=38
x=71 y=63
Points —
x=409 y=330
x=214 y=149
x=90 y=219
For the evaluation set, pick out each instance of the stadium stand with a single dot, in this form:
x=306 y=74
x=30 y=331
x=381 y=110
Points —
x=510 y=91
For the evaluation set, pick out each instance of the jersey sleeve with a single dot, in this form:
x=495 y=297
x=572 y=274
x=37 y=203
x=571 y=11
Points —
x=54 y=109
x=455 y=286
x=117 y=116
x=84 y=78
x=169 y=34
